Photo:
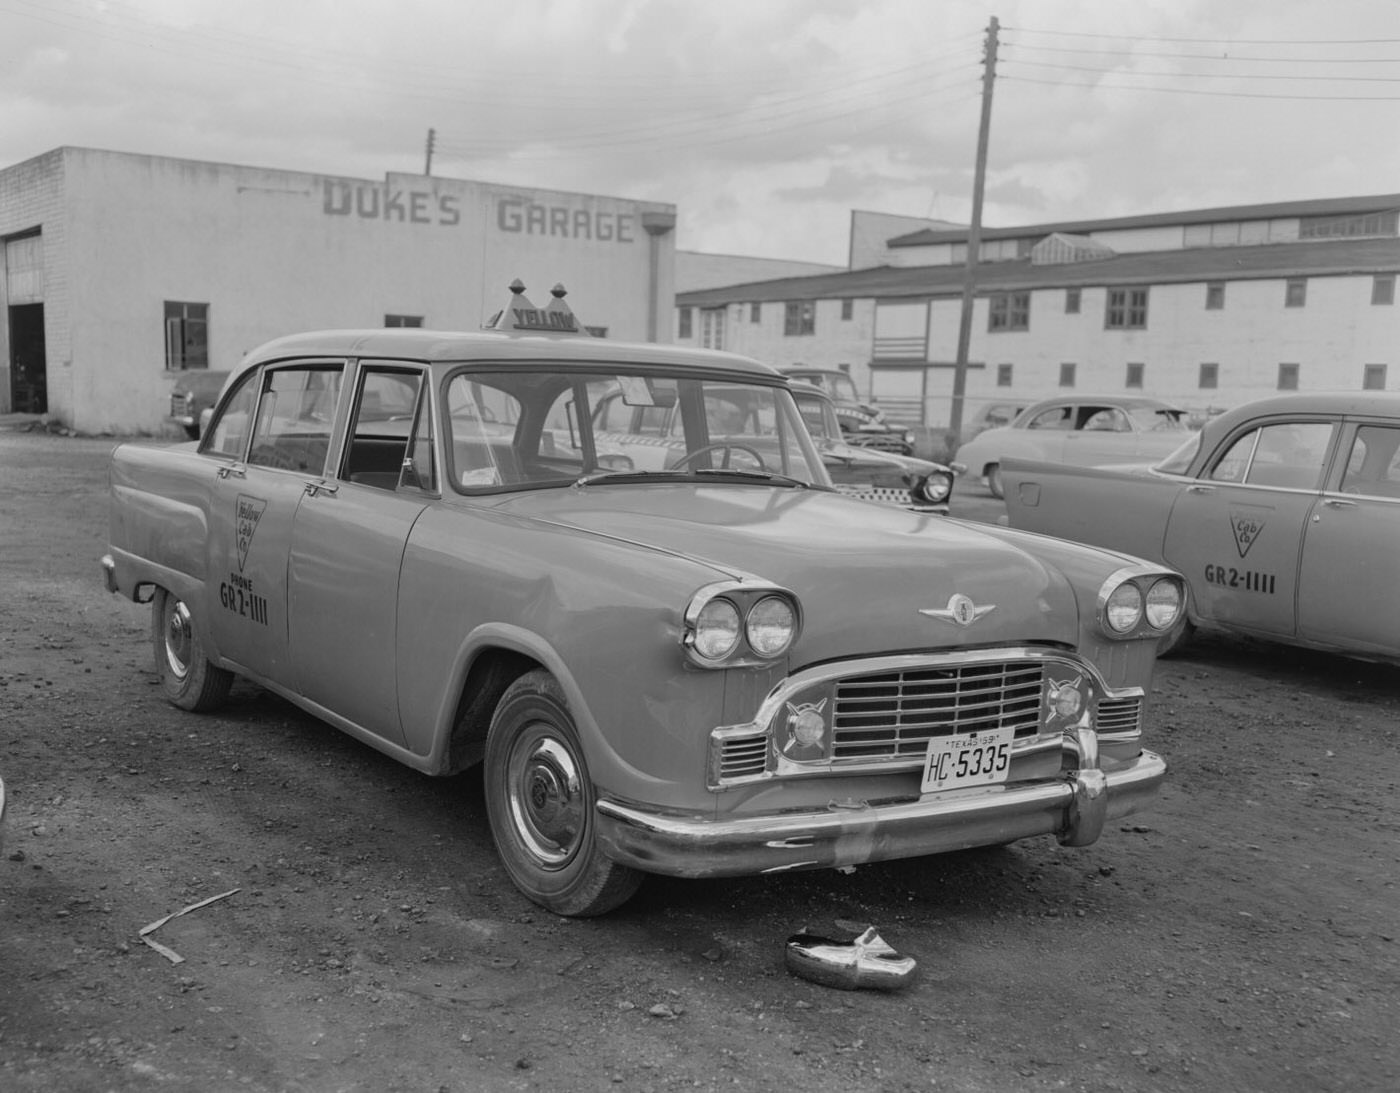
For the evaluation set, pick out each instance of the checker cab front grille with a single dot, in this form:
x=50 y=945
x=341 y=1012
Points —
x=895 y=714
x=886 y=715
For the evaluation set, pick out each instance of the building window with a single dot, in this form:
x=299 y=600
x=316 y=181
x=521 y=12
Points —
x=403 y=320
x=1134 y=376
x=1215 y=296
x=712 y=327
x=1003 y=375
x=1066 y=375
x=1296 y=295
x=1209 y=378
x=1009 y=311
x=1374 y=378
x=800 y=317
x=1127 y=309
x=186 y=336
x=1335 y=227
x=1288 y=377
x=848 y=310
x=683 y=329
x=1383 y=289
x=1072 y=301
x=755 y=313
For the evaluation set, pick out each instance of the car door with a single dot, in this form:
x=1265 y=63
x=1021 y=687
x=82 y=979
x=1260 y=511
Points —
x=1043 y=435
x=1102 y=434
x=347 y=546
x=1349 y=580
x=1236 y=532
x=254 y=501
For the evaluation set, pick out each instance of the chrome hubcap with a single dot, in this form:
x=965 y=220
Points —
x=179 y=637
x=546 y=796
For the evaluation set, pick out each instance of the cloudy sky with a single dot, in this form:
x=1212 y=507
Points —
x=764 y=121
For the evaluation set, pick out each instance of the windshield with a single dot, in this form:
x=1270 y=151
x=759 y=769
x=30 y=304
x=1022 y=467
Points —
x=819 y=416
x=1180 y=460
x=1159 y=419
x=557 y=426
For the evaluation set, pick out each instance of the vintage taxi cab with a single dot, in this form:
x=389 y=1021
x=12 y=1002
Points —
x=705 y=666
x=1283 y=515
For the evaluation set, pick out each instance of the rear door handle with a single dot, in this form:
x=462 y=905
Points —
x=1338 y=503
x=233 y=472
x=1198 y=488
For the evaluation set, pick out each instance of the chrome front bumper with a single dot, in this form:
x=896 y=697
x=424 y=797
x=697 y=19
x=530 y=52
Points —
x=1073 y=807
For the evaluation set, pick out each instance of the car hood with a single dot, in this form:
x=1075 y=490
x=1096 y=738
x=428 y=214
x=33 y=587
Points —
x=863 y=572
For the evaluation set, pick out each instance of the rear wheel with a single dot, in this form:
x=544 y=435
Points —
x=994 y=480
x=187 y=678
x=540 y=801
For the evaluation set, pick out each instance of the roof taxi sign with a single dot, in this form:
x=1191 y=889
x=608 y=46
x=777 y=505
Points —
x=521 y=316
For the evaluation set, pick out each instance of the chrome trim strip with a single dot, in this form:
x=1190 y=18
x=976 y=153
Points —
x=1074 y=807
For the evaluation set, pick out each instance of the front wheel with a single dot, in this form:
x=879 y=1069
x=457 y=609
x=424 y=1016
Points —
x=187 y=678
x=994 y=480
x=540 y=802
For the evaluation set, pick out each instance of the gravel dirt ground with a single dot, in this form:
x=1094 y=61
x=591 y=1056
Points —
x=1242 y=935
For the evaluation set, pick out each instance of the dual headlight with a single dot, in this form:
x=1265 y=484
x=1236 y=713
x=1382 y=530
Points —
x=731 y=624
x=1141 y=603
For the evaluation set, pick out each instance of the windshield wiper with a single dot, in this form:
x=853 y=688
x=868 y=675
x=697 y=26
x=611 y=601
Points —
x=758 y=476
x=626 y=476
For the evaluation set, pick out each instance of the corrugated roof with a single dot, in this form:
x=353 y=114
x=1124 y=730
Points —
x=1320 y=259
x=1326 y=206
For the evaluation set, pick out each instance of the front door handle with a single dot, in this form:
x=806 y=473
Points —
x=1200 y=489
x=231 y=471
x=314 y=488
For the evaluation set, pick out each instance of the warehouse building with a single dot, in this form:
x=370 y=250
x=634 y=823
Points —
x=1206 y=308
x=118 y=272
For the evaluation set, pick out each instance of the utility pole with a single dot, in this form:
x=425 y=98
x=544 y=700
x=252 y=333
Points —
x=974 y=237
x=432 y=139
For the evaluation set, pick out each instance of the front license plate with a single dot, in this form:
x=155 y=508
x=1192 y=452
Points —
x=974 y=759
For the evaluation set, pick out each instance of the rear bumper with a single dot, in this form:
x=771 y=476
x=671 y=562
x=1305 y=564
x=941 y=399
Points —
x=1073 y=807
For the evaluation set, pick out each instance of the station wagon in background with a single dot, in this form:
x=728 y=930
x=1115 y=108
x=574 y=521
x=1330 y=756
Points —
x=862 y=423
x=871 y=473
x=1283 y=515
x=709 y=665
x=1079 y=430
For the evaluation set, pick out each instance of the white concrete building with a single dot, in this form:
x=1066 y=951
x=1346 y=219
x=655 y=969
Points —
x=119 y=271
x=1206 y=308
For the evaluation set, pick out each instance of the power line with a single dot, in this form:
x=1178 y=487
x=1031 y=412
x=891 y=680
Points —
x=1204 y=91
x=1212 y=75
x=1214 y=41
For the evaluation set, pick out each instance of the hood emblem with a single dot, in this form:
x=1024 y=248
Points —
x=960 y=610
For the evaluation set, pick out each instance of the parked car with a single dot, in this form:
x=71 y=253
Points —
x=191 y=398
x=714 y=666
x=862 y=423
x=1081 y=430
x=1283 y=515
x=869 y=473
x=991 y=415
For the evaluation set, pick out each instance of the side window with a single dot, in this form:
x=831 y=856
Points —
x=1373 y=469
x=1103 y=419
x=379 y=430
x=420 y=467
x=1232 y=465
x=227 y=435
x=1288 y=455
x=292 y=430
x=1057 y=417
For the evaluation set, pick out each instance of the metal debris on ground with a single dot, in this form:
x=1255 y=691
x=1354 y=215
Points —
x=865 y=961
x=170 y=954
